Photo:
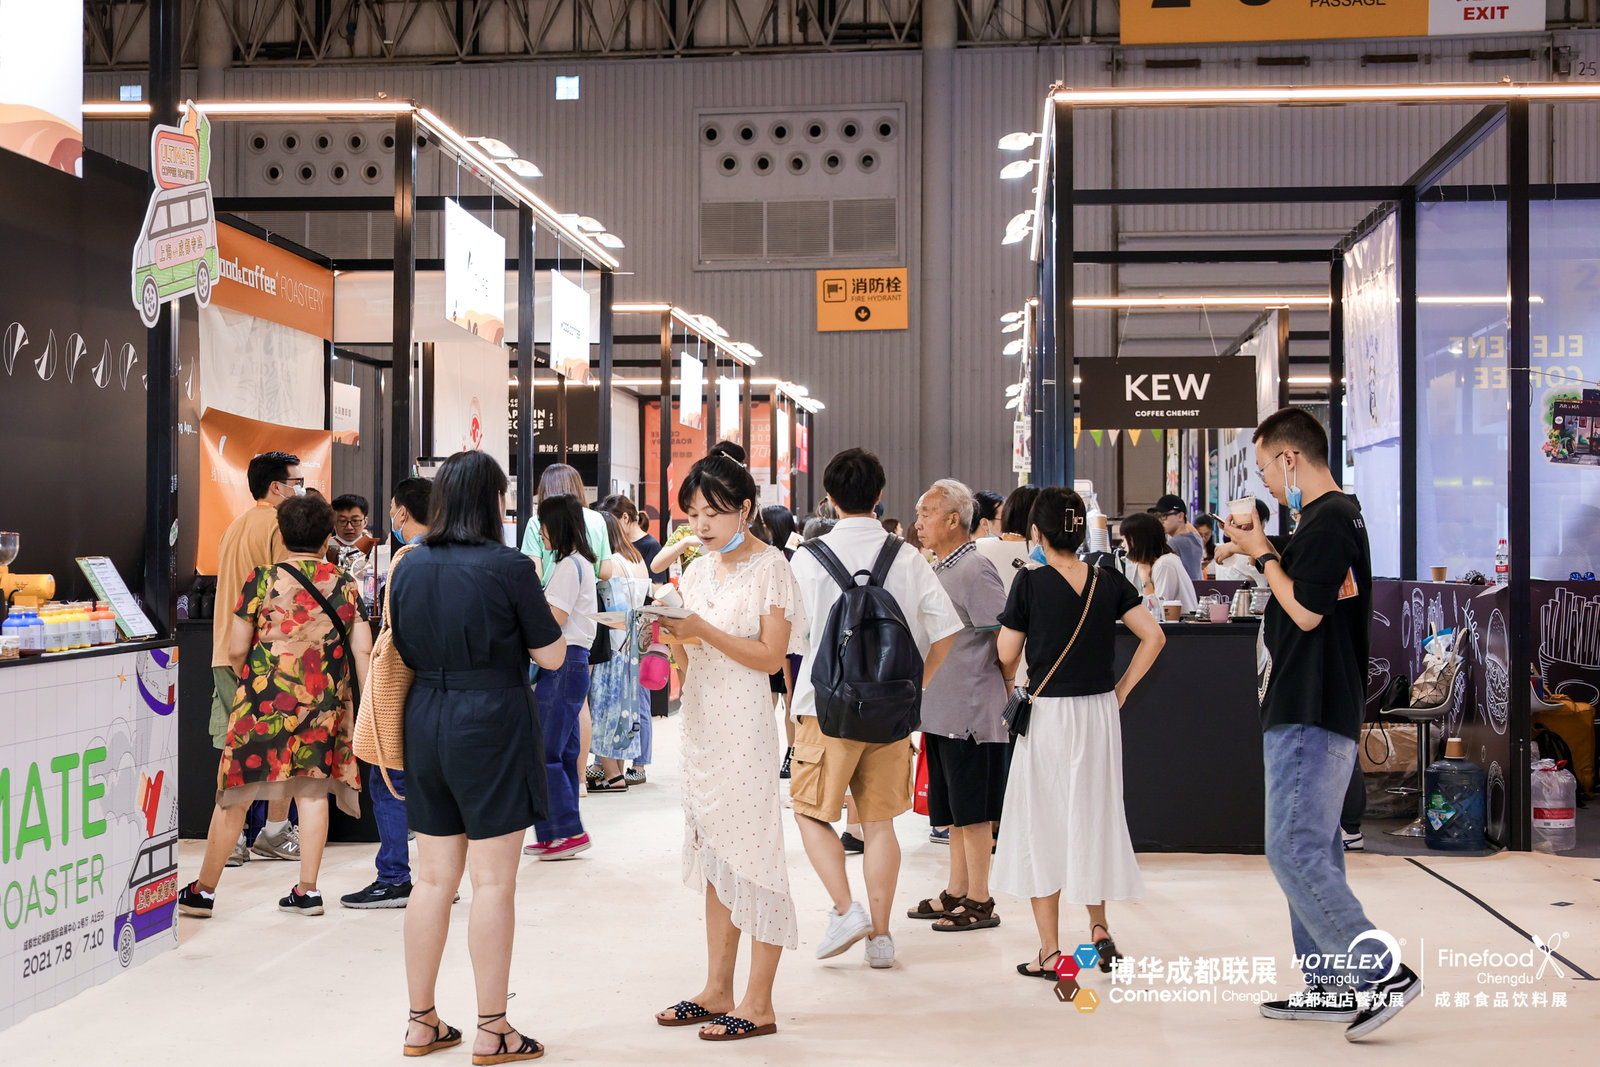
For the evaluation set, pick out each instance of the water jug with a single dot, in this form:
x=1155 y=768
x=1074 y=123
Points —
x=1455 y=790
x=1555 y=803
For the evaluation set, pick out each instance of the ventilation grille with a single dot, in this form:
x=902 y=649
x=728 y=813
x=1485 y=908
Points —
x=865 y=227
x=810 y=230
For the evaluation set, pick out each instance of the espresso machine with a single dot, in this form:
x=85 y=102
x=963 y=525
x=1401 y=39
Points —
x=30 y=590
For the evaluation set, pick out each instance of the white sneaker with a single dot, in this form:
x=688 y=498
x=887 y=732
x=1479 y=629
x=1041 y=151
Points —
x=1353 y=842
x=844 y=931
x=880 y=952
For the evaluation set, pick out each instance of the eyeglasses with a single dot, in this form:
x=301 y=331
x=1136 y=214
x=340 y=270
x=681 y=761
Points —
x=352 y=520
x=1263 y=470
x=292 y=481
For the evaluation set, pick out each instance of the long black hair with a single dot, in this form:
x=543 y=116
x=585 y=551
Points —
x=465 y=501
x=561 y=519
x=780 y=524
x=725 y=484
x=1016 y=515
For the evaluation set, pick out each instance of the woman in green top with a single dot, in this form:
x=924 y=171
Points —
x=559 y=479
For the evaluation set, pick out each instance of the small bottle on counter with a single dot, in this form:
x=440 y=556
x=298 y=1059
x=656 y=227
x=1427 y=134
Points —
x=55 y=628
x=34 y=641
x=106 y=620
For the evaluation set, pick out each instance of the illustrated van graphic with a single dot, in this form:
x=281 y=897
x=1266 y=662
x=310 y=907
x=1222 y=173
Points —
x=150 y=899
x=176 y=253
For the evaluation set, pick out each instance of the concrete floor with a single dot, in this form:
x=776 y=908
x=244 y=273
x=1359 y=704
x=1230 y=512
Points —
x=607 y=939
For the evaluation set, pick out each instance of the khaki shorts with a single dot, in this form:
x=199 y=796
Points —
x=879 y=777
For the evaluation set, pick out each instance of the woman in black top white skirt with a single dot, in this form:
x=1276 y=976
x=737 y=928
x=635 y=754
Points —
x=1065 y=830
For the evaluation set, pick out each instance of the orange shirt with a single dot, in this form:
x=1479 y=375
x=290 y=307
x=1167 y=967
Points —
x=252 y=540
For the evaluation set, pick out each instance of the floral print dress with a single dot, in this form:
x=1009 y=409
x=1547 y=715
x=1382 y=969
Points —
x=289 y=732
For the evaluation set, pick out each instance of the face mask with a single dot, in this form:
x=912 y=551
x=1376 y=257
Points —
x=1037 y=555
x=1291 y=487
x=738 y=539
x=299 y=490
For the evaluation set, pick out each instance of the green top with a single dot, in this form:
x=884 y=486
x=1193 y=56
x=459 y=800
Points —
x=599 y=540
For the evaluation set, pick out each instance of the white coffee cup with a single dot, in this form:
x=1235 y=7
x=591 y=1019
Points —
x=1243 y=512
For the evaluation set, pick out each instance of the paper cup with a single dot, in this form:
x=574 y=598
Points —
x=1173 y=610
x=1243 y=512
x=1438 y=573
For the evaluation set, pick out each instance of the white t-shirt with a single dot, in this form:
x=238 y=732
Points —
x=929 y=612
x=1172 y=581
x=571 y=588
x=1008 y=557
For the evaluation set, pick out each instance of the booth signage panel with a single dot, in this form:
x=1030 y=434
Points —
x=1158 y=393
x=176 y=253
x=344 y=412
x=691 y=391
x=729 y=409
x=688 y=445
x=569 y=328
x=41 y=82
x=877 y=299
x=265 y=281
x=1205 y=21
x=228 y=443
x=581 y=430
x=88 y=788
x=474 y=275
x=470 y=393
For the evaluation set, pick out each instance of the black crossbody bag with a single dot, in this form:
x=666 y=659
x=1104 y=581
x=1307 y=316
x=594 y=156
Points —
x=338 y=627
x=1019 y=708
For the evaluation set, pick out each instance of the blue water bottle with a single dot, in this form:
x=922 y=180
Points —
x=1455 y=791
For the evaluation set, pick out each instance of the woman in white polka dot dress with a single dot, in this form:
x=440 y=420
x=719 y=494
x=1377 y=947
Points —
x=748 y=616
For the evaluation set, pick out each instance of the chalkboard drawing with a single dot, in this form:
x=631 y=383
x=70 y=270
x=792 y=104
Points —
x=1497 y=672
x=176 y=253
x=150 y=898
x=1569 y=645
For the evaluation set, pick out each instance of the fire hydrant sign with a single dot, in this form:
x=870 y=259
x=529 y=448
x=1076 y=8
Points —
x=89 y=844
x=876 y=299
x=1201 y=21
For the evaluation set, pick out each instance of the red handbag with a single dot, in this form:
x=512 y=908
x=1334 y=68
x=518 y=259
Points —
x=919 y=803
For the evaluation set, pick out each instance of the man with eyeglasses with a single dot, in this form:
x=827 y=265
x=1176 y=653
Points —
x=352 y=542
x=1312 y=664
x=251 y=541
x=1183 y=538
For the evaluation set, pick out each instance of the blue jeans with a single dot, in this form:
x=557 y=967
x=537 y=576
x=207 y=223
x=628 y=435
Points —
x=645 y=728
x=1308 y=773
x=561 y=694
x=394 y=861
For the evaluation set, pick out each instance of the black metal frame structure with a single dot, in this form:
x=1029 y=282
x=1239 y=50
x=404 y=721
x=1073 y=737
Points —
x=1053 y=358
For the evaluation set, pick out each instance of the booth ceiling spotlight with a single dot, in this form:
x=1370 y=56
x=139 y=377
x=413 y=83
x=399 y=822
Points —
x=1018 y=168
x=1016 y=142
x=1013 y=347
x=1325 y=94
x=468 y=150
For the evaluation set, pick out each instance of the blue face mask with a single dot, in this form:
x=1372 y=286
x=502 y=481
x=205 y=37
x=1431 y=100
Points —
x=1037 y=555
x=1292 y=491
x=738 y=539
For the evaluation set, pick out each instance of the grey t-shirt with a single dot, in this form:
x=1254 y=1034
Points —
x=969 y=692
x=1192 y=551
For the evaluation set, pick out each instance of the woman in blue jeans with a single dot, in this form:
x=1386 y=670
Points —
x=569 y=589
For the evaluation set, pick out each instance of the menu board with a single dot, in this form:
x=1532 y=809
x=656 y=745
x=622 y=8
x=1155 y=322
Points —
x=109 y=587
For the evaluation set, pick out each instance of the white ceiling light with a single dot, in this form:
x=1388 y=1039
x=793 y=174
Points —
x=494 y=147
x=1014 y=404
x=1016 y=142
x=1013 y=389
x=1013 y=347
x=1018 y=168
x=1013 y=328
x=590 y=225
x=523 y=169
x=1020 y=219
x=610 y=240
x=1017 y=236
x=1011 y=316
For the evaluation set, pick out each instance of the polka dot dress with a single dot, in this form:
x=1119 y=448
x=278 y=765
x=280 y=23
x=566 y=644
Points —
x=733 y=816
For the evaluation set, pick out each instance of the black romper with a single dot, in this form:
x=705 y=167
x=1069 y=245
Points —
x=464 y=618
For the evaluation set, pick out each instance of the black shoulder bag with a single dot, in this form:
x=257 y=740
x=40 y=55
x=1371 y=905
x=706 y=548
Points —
x=338 y=627
x=1019 y=709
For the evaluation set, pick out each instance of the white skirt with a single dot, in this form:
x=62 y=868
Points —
x=1064 y=825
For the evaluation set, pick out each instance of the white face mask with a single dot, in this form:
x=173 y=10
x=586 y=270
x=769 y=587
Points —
x=299 y=490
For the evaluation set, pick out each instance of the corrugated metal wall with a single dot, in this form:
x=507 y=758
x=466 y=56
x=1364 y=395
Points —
x=625 y=152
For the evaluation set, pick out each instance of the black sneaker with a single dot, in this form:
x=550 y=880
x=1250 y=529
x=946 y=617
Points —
x=194 y=903
x=787 y=756
x=852 y=843
x=1383 y=1002
x=379 y=895
x=299 y=903
x=1327 y=1003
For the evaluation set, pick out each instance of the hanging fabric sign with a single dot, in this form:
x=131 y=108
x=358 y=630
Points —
x=692 y=391
x=1372 y=336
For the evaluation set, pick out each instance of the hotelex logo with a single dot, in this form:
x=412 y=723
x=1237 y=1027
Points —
x=1352 y=966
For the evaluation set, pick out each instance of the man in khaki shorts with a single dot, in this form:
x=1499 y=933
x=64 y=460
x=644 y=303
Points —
x=879 y=777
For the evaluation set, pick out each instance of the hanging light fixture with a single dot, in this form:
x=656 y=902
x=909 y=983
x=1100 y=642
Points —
x=493 y=147
x=590 y=225
x=610 y=240
x=1013 y=328
x=1013 y=347
x=1016 y=236
x=523 y=169
x=1009 y=317
x=1016 y=142
x=1018 y=168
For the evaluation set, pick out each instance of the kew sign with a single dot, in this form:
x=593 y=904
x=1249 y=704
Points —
x=1200 y=392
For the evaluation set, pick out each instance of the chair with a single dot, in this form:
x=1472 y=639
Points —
x=1424 y=718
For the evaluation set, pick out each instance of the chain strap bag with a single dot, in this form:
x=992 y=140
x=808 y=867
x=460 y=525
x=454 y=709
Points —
x=380 y=731
x=1019 y=708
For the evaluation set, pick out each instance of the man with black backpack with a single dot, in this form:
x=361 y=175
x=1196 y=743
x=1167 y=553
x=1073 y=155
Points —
x=880 y=626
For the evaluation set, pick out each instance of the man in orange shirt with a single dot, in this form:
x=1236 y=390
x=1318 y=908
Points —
x=251 y=541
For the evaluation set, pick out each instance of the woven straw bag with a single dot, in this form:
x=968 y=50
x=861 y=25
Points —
x=380 y=731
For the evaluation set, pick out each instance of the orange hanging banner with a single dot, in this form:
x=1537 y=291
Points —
x=227 y=445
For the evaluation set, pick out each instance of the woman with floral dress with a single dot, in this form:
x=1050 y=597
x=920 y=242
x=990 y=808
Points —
x=747 y=616
x=298 y=642
x=618 y=704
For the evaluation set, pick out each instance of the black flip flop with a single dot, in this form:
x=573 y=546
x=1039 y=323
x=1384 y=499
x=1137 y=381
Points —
x=687 y=1013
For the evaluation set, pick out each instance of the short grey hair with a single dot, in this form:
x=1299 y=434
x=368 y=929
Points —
x=958 y=498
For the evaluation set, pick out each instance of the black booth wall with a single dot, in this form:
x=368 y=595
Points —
x=72 y=398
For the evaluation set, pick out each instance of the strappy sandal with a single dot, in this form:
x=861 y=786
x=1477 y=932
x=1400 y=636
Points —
x=926 y=909
x=687 y=1013
x=1045 y=970
x=736 y=1029
x=443 y=1036
x=974 y=915
x=1106 y=947
x=528 y=1050
x=619 y=784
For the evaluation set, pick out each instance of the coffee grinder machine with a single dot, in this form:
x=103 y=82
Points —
x=28 y=590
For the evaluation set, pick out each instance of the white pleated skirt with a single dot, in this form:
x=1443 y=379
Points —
x=1065 y=828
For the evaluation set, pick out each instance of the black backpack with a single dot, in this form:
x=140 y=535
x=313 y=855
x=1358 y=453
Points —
x=866 y=671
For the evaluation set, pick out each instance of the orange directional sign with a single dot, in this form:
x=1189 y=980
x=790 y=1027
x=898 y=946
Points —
x=872 y=299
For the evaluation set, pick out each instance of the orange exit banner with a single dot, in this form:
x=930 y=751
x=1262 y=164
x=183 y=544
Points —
x=1215 y=21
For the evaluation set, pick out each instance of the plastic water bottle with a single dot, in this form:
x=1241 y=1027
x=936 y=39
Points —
x=1454 y=788
x=1555 y=803
x=1502 y=564
x=13 y=627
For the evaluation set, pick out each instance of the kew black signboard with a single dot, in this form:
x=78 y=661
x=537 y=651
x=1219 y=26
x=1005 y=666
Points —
x=1188 y=392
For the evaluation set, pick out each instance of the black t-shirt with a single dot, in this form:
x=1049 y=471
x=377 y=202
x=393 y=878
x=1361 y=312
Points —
x=468 y=607
x=649 y=547
x=1319 y=676
x=1044 y=606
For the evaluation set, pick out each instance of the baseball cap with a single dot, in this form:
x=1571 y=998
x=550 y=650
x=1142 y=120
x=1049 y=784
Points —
x=1169 y=504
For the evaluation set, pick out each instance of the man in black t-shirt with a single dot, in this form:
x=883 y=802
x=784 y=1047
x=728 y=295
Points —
x=1312 y=669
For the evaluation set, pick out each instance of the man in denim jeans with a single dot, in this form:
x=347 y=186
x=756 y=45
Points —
x=1312 y=659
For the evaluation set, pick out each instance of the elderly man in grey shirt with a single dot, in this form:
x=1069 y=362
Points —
x=966 y=742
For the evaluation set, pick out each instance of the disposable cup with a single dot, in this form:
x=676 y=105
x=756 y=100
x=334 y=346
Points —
x=1438 y=573
x=1243 y=512
x=1173 y=609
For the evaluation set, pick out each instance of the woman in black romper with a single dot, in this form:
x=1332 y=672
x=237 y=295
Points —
x=467 y=613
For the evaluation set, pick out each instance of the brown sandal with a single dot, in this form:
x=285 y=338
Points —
x=974 y=915
x=926 y=909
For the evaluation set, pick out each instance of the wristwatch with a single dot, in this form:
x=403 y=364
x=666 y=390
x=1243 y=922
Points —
x=1265 y=558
